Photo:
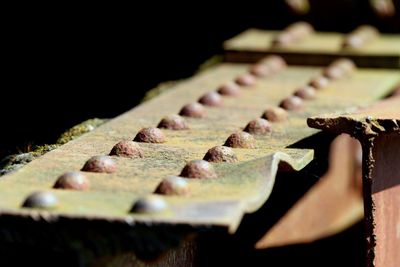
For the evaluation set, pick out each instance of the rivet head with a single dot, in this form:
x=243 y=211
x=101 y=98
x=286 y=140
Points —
x=319 y=82
x=300 y=29
x=334 y=72
x=72 y=180
x=173 y=122
x=173 y=185
x=41 y=200
x=194 y=110
x=258 y=126
x=150 y=204
x=354 y=41
x=240 y=140
x=292 y=103
x=275 y=63
x=245 y=80
x=100 y=164
x=347 y=65
x=128 y=149
x=220 y=154
x=150 y=135
x=275 y=114
x=212 y=99
x=283 y=39
x=306 y=92
x=260 y=70
x=200 y=169
x=229 y=89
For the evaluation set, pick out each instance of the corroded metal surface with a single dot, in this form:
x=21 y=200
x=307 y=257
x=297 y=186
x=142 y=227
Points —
x=378 y=130
x=241 y=187
x=317 y=49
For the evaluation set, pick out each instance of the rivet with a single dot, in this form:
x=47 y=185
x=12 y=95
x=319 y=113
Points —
x=346 y=64
x=100 y=164
x=220 y=154
x=127 y=148
x=149 y=205
x=275 y=114
x=173 y=122
x=240 y=140
x=72 y=180
x=150 y=135
x=41 y=200
x=198 y=169
x=283 y=39
x=229 y=89
x=260 y=70
x=292 y=103
x=194 y=110
x=258 y=126
x=275 y=63
x=319 y=82
x=334 y=72
x=305 y=92
x=212 y=99
x=300 y=30
x=173 y=185
x=245 y=80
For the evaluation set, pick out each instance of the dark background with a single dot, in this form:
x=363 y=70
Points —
x=66 y=65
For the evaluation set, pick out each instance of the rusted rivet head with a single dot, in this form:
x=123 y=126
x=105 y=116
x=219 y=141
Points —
x=319 y=82
x=275 y=114
x=173 y=122
x=245 y=80
x=260 y=70
x=100 y=164
x=127 y=148
x=41 y=200
x=258 y=126
x=194 y=110
x=200 y=169
x=240 y=140
x=275 y=63
x=173 y=185
x=212 y=99
x=229 y=89
x=306 y=92
x=220 y=154
x=150 y=135
x=292 y=103
x=72 y=180
x=149 y=205
x=334 y=72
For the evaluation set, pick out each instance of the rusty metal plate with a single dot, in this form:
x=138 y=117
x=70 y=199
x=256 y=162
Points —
x=378 y=129
x=242 y=187
x=319 y=48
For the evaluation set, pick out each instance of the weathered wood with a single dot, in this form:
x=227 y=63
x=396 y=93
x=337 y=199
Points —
x=378 y=130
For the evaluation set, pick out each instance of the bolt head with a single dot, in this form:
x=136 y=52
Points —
x=173 y=185
x=275 y=114
x=72 y=180
x=220 y=154
x=306 y=92
x=240 y=140
x=258 y=126
x=199 y=169
x=41 y=200
x=100 y=164
x=246 y=80
x=150 y=135
x=150 y=204
x=212 y=99
x=128 y=149
x=193 y=110
x=173 y=122
x=292 y=103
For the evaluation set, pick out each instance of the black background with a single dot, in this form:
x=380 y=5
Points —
x=63 y=65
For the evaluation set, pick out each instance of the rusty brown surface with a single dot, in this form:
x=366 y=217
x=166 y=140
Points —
x=242 y=187
x=319 y=48
x=378 y=130
x=330 y=206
